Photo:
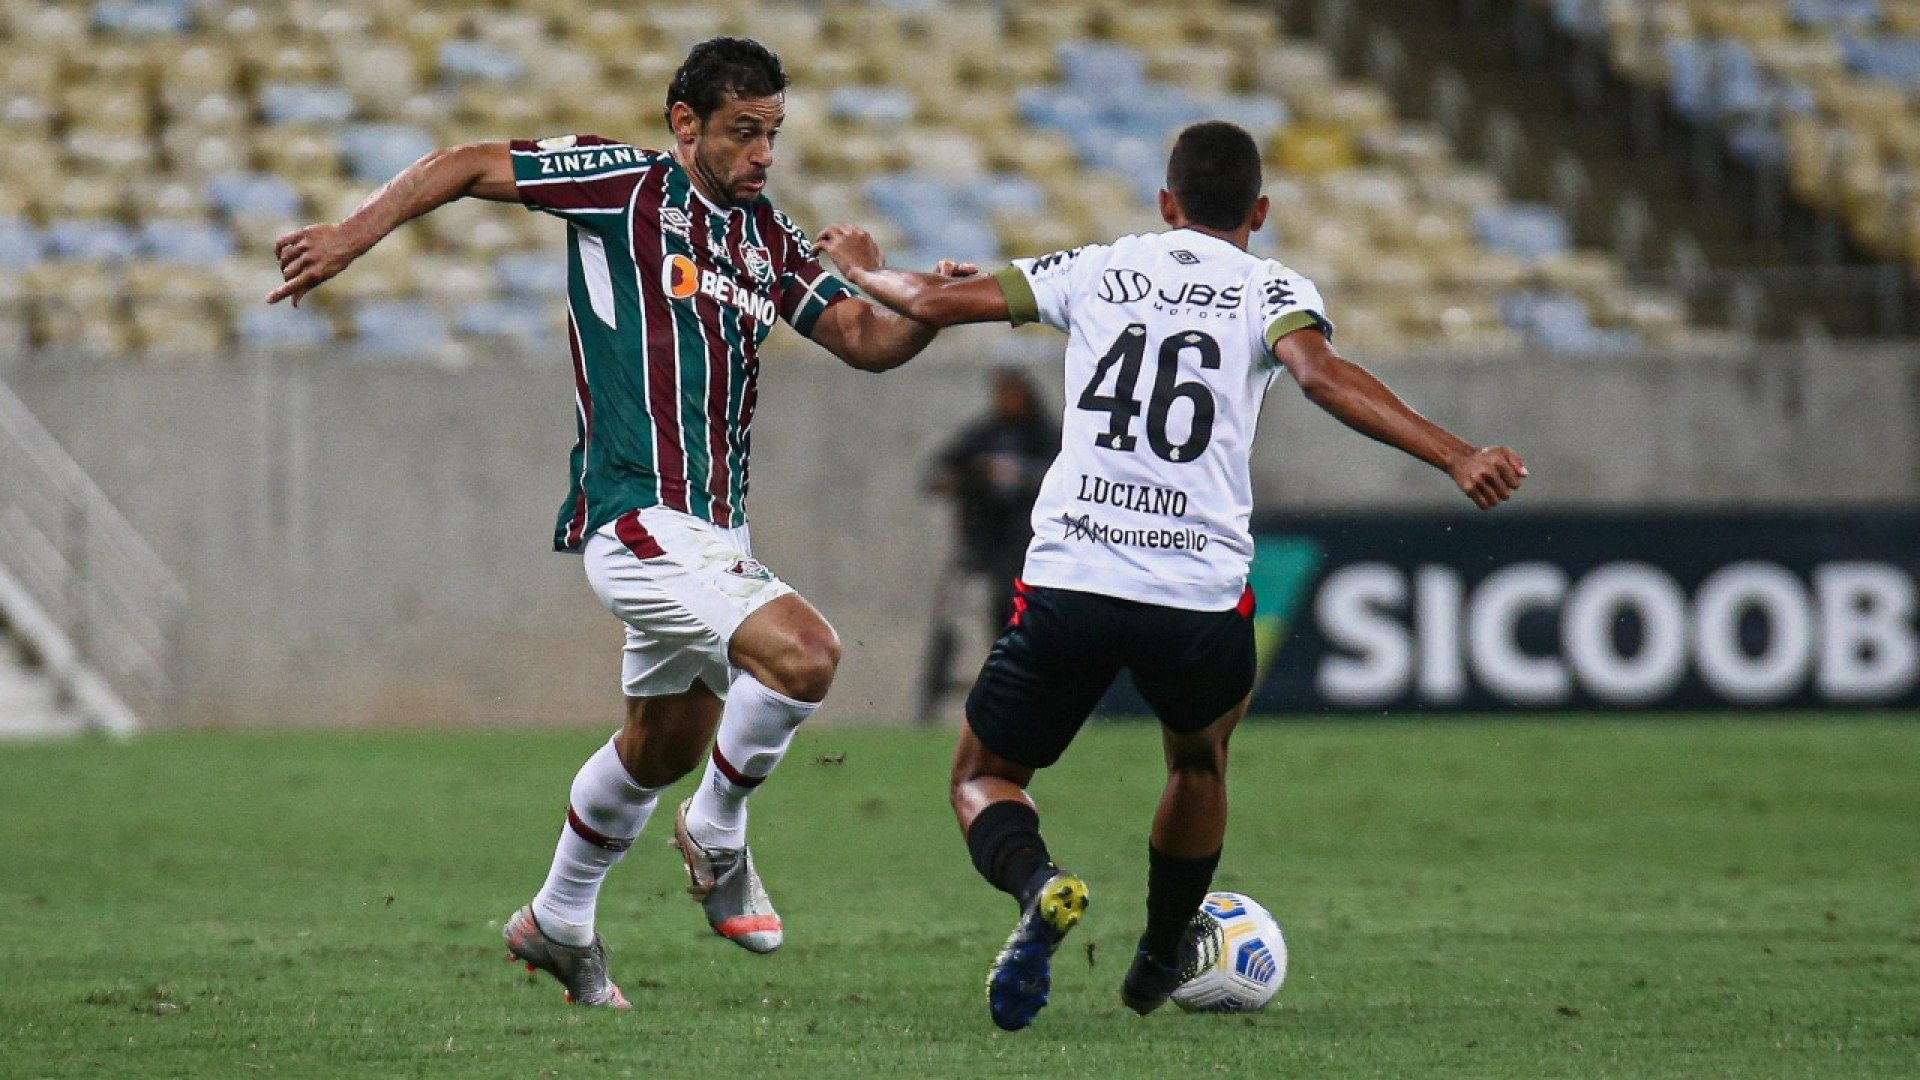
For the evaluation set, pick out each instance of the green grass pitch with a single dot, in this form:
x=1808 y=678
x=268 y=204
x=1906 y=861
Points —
x=1597 y=897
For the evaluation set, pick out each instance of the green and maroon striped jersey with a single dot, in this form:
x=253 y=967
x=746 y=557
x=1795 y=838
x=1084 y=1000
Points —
x=668 y=300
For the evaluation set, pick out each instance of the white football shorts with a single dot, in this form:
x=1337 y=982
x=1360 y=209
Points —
x=682 y=586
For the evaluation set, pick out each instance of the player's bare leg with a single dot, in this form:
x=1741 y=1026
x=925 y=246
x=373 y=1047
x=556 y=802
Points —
x=1002 y=827
x=787 y=656
x=1182 y=853
x=612 y=797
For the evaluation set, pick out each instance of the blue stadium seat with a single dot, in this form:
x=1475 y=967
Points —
x=1055 y=108
x=282 y=327
x=532 y=274
x=520 y=319
x=1580 y=18
x=871 y=104
x=253 y=193
x=1758 y=143
x=142 y=17
x=1157 y=112
x=376 y=152
x=1004 y=192
x=87 y=238
x=908 y=196
x=1556 y=321
x=21 y=245
x=1892 y=59
x=1258 y=113
x=938 y=218
x=1100 y=67
x=305 y=103
x=478 y=61
x=1834 y=13
x=197 y=243
x=1526 y=230
x=398 y=328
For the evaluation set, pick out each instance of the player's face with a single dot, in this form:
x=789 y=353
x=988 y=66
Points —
x=734 y=148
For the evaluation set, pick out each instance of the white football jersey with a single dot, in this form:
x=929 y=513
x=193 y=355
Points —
x=1169 y=355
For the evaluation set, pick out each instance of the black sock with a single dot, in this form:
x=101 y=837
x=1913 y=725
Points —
x=1006 y=847
x=1175 y=888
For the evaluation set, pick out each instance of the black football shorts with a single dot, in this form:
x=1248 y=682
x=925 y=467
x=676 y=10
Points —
x=1063 y=648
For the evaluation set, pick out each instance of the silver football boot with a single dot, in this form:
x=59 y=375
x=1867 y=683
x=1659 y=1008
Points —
x=729 y=890
x=583 y=971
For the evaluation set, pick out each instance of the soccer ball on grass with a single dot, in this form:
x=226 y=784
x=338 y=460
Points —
x=1236 y=958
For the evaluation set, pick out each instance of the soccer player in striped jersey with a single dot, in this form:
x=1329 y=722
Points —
x=1141 y=544
x=678 y=268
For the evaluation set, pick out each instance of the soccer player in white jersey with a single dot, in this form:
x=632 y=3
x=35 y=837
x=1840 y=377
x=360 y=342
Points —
x=1141 y=543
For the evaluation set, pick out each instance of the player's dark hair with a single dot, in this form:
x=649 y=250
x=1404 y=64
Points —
x=725 y=65
x=1214 y=174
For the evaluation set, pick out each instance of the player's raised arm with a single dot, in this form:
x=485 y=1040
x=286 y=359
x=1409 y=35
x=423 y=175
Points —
x=955 y=296
x=1488 y=475
x=311 y=255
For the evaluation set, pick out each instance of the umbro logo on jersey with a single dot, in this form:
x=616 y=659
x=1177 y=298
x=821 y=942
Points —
x=1184 y=257
x=1124 y=286
x=751 y=569
x=675 y=220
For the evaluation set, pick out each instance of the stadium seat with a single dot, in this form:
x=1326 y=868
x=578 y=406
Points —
x=253 y=193
x=195 y=242
x=141 y=17
x=398 y=328
x=305 y=103
x=282 y=327
x=21 y=245
x=524 y=321
x=80 y=239
x=871 y=104
x=375 y=153
x=1528 y=231
x=180 y=137
x=478 y=61
x=532 y=274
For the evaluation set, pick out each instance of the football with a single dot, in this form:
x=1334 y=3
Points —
x=1236 y=958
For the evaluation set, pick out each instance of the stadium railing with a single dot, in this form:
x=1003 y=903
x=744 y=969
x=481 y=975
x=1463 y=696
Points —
x=79 y=584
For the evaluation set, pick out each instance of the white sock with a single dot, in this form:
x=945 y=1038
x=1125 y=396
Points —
x=755 y=731
x=605 y=811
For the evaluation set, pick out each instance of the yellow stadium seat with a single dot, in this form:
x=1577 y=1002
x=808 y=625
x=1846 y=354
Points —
x=178 y=329
x=1312 y=149
x=147 y=280
x=30 y=72
x=1203 y=70
x=87 y=196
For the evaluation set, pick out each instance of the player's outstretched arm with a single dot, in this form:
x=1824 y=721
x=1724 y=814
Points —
x=1488 y=475
x=314 y=254
x=868 y=337
x=939 y=299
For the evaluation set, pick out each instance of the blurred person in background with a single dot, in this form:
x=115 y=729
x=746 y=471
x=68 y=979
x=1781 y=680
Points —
x=1173 y=340
x=991 y=469
x=678 y=268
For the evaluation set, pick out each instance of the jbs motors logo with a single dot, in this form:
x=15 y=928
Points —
x=681 y=279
